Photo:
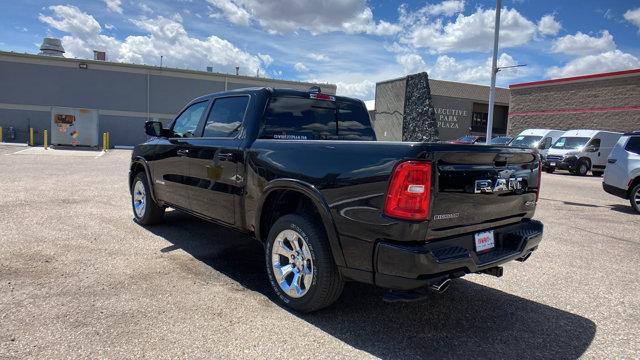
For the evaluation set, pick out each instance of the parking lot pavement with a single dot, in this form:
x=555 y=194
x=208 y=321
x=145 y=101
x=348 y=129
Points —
x=78 y=278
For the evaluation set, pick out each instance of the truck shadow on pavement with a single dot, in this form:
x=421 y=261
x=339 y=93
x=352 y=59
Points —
x=469 y=320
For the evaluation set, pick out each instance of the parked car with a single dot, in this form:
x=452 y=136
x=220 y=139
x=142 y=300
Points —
x=501 y=140
x=581 y=151
x=470 y=139
x=622 y=175
x=540 y=139
x=302 y=173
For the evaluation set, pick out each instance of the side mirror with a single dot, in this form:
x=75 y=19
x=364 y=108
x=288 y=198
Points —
x=591 y=148
x=153 y=128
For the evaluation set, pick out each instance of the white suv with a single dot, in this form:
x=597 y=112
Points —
x=622 y=174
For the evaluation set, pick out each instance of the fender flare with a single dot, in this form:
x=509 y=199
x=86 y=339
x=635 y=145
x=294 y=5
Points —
x=312 y=193
x=145 y=165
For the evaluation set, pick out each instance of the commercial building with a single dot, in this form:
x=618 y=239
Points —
x=52 y=92
x=605 y=101
x=460 y=109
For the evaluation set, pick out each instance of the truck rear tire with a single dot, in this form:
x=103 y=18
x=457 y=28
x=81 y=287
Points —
x=145 y=210
x=550 y=170
x=300 y=265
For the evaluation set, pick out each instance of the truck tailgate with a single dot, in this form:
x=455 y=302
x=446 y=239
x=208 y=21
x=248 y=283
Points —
x=477 y=187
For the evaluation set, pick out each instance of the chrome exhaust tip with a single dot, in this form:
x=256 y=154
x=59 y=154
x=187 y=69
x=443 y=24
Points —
x=442 y=286
x=524 y=258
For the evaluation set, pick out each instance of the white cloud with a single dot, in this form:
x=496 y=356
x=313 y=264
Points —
x=548 y=25
x=411 y=63
x=583 y=44
x=633 y=16
x=234 y=13
x=284 y=16
x=449 y=68
x=607 y=61
x=146 y=8
x=71 y=20
x=114 y=5
x=447 y=8
x=471 y=33
x=362 y=89
x=266 y=59
x=165 y=37
x=318 y=57
x=300 y=67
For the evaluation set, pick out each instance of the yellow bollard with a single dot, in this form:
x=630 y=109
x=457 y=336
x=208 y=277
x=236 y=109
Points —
x=104 y=141
x=0 y=133
x=31 y=136
x=108 y=140
x=46 y=140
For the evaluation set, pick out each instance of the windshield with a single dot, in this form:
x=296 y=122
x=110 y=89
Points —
x=528 y=141
x=570 y=142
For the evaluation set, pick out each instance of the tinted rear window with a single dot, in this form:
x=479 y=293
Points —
x=633 y=145
x=297 y=118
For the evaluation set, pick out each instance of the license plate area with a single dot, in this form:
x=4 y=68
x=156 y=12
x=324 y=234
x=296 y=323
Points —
x=484 y=241
x=552 y=163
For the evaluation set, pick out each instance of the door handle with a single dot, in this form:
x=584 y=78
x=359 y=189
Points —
x=224 y=156
x=183 y=152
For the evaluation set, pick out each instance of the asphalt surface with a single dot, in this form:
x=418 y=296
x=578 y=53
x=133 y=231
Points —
x=80 y=279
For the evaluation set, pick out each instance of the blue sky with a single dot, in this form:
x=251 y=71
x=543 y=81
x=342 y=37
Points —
x=352 y=43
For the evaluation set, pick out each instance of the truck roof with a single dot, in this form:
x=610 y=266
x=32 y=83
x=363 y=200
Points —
x=277 y=92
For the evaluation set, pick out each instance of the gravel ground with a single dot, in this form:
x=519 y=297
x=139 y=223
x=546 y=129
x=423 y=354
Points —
x=79 y=279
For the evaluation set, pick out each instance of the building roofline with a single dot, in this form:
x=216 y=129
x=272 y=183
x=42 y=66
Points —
x=576 y=78
x=448 y=81
x=142 y=67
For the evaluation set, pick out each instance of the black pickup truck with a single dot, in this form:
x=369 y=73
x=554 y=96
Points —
x=304 y=174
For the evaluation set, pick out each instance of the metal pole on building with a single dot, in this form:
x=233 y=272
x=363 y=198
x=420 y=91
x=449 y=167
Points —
x=494 y=72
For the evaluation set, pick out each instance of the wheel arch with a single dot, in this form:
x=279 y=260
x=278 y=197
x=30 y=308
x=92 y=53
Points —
x=295 y=194
x=139 y=164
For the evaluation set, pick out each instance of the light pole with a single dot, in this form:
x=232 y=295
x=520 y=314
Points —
x=494 y=72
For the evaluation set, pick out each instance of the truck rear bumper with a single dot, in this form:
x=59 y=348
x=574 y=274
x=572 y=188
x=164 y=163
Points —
x=406 y=267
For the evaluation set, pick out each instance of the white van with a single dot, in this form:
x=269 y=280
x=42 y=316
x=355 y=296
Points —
x=540 y=139
x=580 y=151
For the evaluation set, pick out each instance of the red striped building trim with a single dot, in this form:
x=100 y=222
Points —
x=575 y=111
x=576 y=78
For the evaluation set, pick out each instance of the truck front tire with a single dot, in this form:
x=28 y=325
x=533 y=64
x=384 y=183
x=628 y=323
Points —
x=145 y=210
x=300 y=265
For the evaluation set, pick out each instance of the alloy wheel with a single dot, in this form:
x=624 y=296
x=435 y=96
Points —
x=292 y=263
x=139 y=199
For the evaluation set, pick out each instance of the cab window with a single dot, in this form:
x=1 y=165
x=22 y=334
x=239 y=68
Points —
x=186 y=124
x=297 y=118
x=226 y=116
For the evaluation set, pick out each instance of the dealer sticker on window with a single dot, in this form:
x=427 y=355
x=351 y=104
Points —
x=484 y=241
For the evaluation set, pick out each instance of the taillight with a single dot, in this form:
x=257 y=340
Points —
x=409 y=193
x=539 y=178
